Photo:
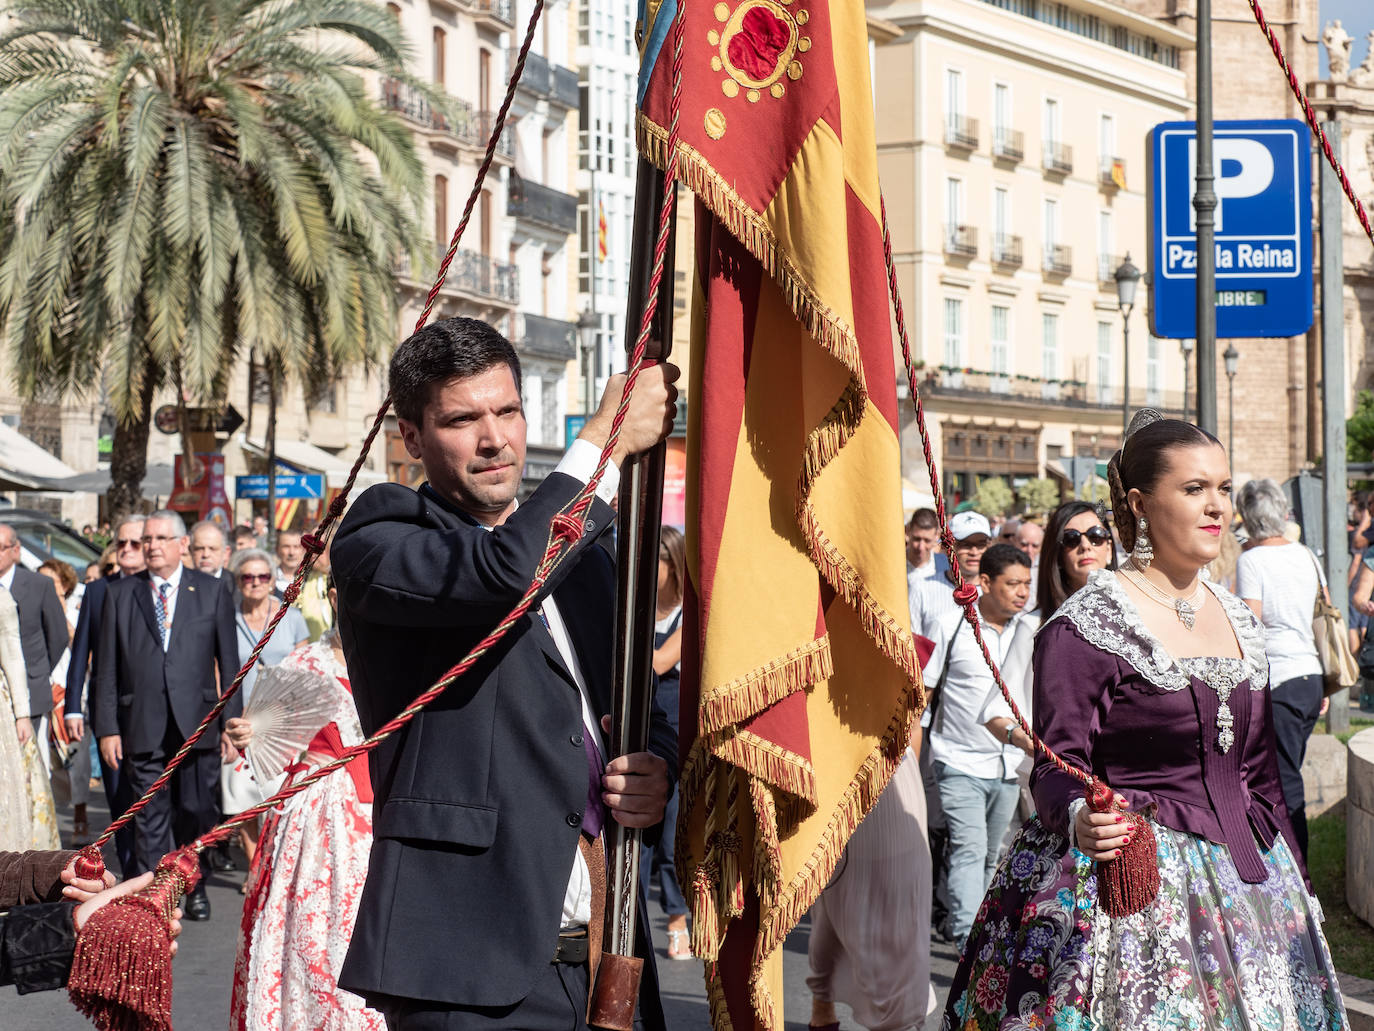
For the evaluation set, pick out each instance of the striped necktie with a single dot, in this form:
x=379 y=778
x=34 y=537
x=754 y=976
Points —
x=164 y=625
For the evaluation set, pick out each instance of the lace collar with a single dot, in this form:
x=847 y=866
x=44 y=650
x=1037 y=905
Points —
x=1108 y=619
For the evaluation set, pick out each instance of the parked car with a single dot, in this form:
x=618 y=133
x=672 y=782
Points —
x=41 y=537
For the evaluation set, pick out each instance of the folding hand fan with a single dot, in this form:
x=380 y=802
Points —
x=288 y=707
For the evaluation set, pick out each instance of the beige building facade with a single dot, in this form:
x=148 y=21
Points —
x=1012 y=148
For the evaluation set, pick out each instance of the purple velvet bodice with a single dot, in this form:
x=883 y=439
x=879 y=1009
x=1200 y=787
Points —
x=1110 y=700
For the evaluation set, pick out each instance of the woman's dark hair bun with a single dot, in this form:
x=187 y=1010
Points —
x=1141 y=461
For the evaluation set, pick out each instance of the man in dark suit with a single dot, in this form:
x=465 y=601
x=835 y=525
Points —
x=42 y=628
x=489 y=805
x=128 y=542
x=163 y=633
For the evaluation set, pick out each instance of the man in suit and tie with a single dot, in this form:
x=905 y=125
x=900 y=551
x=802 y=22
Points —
x=484 y=893
x=42 y=629
x=128 y=542
x=163 y=634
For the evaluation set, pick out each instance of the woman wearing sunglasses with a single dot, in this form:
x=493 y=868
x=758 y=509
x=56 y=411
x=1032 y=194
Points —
x=254 y=580
x=1077 y=541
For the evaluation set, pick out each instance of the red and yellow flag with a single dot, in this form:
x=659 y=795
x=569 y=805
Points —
x=800 y=676
x=600 y=232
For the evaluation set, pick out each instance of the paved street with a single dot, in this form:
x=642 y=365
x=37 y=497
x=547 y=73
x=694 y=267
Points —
x=204 y=972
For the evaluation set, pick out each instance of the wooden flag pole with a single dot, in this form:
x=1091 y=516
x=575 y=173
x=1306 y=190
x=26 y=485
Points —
x=639 y=520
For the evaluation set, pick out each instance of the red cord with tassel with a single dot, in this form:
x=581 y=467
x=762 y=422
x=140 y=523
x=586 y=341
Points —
x=122 y=969
x=1130 y=882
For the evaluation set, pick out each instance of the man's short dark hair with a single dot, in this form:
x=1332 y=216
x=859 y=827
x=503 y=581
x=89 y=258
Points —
x=244 y=533
x=445 y=350
x=1001 y=557
x=923 y=519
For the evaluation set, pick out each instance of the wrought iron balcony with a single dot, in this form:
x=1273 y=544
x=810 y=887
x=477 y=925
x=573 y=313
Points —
x=1058 y=259
x=1008 y=144
x=961 y=241
x=1058 y=158
x=1107 y=264
x=535 y=78
x=1112 y=174
x=500 y=11
x=961 y=131
x=471 y=273
x=1007 y=251
x=472 y=128
x=565 y=91
x=947 y=381
x=549 y=207
x=546 y=337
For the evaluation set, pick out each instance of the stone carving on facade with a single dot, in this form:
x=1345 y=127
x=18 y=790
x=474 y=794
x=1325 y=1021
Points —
x=1364 y=74
x=1338 y=43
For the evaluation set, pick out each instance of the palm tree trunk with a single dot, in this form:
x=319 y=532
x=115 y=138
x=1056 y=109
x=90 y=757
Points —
x=129 y=451
x=271 y=456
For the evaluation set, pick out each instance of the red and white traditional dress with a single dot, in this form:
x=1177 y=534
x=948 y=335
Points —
x=304 y=886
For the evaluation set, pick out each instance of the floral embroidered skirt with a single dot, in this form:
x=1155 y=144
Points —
x=1211 y=952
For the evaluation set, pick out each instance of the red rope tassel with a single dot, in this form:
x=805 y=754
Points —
x=1130 y=882
x=122 y=970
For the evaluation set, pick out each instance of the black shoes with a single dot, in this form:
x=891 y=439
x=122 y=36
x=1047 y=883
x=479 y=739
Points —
x=196 y=905
x=221 y=860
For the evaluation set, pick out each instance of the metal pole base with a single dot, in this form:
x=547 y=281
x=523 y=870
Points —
x=613 y=997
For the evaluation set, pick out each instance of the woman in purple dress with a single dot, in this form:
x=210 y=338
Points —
x=1155 y=681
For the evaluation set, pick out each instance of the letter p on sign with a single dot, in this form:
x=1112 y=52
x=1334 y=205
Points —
x=1243 y=168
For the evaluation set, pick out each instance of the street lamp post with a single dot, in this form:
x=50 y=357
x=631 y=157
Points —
x=1232 y=359
x=1127 y=276
x=1186 y=347
x=588 y=323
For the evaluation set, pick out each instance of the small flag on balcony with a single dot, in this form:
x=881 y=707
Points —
x=1119 y=173
x=600 y=232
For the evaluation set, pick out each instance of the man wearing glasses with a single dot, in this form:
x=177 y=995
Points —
x=163 y=634
x=128 y=543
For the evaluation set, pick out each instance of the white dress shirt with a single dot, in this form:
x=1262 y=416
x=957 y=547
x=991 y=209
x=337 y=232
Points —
x=7 y=579
x=958 y=737
x=579 y=462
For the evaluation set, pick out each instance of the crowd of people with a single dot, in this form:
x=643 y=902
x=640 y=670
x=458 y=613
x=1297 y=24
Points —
x=1164 y=645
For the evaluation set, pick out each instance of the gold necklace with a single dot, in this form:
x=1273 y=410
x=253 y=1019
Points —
x=1185 y=608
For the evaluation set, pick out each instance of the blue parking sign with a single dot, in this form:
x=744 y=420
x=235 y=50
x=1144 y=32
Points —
x=1263 y=229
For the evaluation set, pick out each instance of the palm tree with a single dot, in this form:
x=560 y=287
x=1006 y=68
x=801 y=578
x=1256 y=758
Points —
x=181 y=180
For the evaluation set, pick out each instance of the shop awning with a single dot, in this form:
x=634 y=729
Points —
x=157 y=482
x=304 y=457
x=26 y=466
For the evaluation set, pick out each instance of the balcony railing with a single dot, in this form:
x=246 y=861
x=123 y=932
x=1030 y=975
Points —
x=496 y=10
x=1007 y=251
x=1107 y=264
x=546 y=337
x=564 y=91
x=1058 y=158
x=409 y=103
x=961 y=131
x=472 y=273
x=1058 y=259
x=545 y=79
x=974 y=383
x=1008 y=144
x=549 y=207
x=1112 y=174
x=537 y=74
x=961 y=241
x=473 y=128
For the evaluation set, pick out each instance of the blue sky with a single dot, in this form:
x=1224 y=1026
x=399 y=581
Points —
x=1357 y=17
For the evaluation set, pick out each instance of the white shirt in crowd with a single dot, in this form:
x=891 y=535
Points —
x=934 y=566
x=958 y=737
x=929 y=602
x=1284 y=579
x=579 y=462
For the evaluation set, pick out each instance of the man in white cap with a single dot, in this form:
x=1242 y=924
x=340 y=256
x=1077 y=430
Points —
x=933 y=599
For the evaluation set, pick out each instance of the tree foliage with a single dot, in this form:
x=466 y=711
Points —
x=1039 y=496
x=1359 y=429
x=993 y=497
x=184 y=179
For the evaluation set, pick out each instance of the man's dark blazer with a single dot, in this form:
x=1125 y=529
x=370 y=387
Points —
x=43 y=630
x=478 y=802
x=85 y=643
x=137 y=685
